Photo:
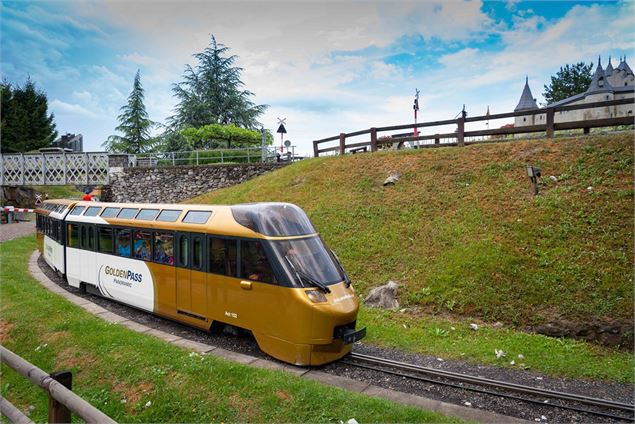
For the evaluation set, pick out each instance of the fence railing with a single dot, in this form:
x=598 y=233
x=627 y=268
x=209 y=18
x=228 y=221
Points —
x=204 y=157
x=459 y=135
x=62 y=401
x=54 y=168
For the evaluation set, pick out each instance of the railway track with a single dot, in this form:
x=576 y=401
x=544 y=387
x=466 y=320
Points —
x=570 y=401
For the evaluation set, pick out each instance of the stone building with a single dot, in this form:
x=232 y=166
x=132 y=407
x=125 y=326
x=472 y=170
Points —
x=606 y=84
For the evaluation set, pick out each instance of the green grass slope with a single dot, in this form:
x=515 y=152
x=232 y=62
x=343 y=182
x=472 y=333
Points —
x=462 y=233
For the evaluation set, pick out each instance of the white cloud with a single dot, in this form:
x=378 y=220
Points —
x=59 y=108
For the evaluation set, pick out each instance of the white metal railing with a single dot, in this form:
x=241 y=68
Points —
x=213 y=156
x=88 y=168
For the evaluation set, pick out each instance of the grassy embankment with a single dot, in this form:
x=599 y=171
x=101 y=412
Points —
x=466 y=240
x=137 y=378
x=59 y=192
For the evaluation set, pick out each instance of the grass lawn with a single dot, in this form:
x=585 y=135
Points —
x=137 y=378
x=465 y=239
x=59 y=192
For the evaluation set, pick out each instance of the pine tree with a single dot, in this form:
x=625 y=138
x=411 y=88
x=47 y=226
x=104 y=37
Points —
x=134 y=124
x=211 y=93
x=26 y=124
x=570 y=80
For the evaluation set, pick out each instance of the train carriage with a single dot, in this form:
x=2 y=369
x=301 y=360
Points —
x=261 y=267
x=50 y=232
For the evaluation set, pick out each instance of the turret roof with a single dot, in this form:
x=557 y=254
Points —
x=599 y=83
x=609 y=68
x=526 y=101
x=623 y=66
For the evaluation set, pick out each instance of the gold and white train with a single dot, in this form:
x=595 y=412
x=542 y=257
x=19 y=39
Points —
x=261 y=267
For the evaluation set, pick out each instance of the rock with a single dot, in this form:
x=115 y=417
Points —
x=589 y=188
x=473 y=326
x=392 y=178
x=498 y=324
x=383 y=296
x=553 y=178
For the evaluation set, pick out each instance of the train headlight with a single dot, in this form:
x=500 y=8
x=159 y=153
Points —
x=316 y=296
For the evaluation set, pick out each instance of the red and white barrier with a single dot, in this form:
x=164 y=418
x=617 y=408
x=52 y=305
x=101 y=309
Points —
x=12 y=209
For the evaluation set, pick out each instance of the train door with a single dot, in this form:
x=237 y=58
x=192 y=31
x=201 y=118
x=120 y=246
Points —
x=191 y=299
x=88 y=258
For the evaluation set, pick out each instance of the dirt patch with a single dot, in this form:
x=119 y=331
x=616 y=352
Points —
x=132 y=394
x=5 y=330
x=247 y=409
x=282 y=395
x=531 y=150
x=73 y=358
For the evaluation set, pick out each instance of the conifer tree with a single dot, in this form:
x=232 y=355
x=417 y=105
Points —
x=134 y=124
x=211 y=93
x=570 y=80
x=26 y=124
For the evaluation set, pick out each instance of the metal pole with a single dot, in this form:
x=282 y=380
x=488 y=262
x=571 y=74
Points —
x=86 y=169
x=65 y=169
x=173 y=161
x=43 y=167
x=12 y=413
x=263 y=144
x=197 y=157
x=221 y=157
x=23 y=170
x=248 y=159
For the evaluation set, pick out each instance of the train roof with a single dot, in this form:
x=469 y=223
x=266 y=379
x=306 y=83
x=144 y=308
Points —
x=255 y=220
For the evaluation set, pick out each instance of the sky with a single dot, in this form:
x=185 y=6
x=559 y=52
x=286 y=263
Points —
x=327 y=66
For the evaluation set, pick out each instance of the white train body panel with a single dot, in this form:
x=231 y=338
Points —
x=54 y=254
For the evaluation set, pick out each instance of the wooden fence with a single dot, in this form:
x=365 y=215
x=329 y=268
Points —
x=460 y=134
x=58 y=385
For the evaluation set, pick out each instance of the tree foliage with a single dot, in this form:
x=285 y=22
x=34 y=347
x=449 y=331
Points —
x=134 y=124
x=213 y=136
x=26 y=124
x=570 y=80
x=212 y=92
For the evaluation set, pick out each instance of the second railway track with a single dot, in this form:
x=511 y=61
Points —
x=601 y=407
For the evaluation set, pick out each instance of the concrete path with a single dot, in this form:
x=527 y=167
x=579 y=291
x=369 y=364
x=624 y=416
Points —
x=449 y=409
x=19 y=229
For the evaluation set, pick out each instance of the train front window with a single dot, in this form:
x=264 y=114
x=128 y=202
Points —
x=254 y=264
x=306 y=259
x=273 y=219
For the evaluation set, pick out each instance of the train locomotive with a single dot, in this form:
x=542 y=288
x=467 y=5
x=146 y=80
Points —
x=261 y=267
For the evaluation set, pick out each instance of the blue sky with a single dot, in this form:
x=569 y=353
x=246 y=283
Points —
x=328 y=67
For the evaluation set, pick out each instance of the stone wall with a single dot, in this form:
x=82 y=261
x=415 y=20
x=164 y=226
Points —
x=178 y=183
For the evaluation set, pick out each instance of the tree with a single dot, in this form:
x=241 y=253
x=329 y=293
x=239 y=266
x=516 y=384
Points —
x=134 y=124
x=570 y=80
x=211 y=93
x=26 y=124
x=213 y=136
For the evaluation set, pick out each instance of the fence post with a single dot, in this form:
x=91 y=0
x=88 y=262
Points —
x=221 y=157
x=58 y=413
x=373 y=139
x=460 y=131
x=23 y=169
x=65 y=169
x=173 y=160
x=86 y=169
x=315 y=149
x=342 y=143
x=43 y=179
x=197 y=157
x=437 y=139
x=550 y=119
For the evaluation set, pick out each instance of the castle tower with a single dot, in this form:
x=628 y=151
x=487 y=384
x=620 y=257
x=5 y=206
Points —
x=527 y=101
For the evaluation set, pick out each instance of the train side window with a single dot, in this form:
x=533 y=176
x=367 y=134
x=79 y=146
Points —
x=91 y=238
x=197 y=217
x=110 y=212
x=147 y=214
x=127 y=213
x=92 y=211
x=105 y=240
x=164 y=248
x=222 y=256
x=169 y=215
x=77 y=210
x=197 y=252
x=254 y=264
x=143 y=245
x=72 y=239
x=122 y=245
x=182 y=254
x=83 y=237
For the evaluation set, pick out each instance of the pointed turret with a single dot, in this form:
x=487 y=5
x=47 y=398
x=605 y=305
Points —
x=599 y=83
x=623 y=66
x=527 y=101
x=609 y=68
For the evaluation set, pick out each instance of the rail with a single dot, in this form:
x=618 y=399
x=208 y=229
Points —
x=62 y=401
x=459 y=135
x=397 y=368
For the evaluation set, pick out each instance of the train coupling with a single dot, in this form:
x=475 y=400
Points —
x=348 y=334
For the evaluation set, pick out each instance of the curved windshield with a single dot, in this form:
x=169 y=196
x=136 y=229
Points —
x=305 y=260
x=273 y=219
